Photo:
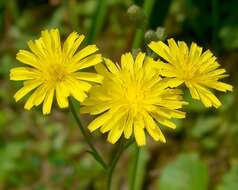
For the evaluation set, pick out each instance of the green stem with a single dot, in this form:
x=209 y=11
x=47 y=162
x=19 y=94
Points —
x=215 y=23
x=147 y=8
x=135 y=168
x=94 y=152
x=97 y=20
x=113 y=163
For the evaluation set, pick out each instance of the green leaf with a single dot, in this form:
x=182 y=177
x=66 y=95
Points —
x=230 y=180
x=204 y=126
x=185 y=173
x=229 y=36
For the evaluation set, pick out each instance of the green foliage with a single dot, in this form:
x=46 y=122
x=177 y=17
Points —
x=185 y=173
x=230 y=180
x=229 y=37
x=204 y=126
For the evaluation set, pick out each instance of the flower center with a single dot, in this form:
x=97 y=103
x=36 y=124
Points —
x=57 y=72
x=189 y=72
x=134 y=97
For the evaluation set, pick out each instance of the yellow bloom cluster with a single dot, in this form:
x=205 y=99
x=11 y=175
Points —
x=129 y=98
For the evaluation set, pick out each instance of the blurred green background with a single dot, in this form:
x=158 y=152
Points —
x=48 y=153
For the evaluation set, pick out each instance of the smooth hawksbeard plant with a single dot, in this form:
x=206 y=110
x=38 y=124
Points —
x=128 y=99
x=53 y=68
x=132 y=99
x=198 y=70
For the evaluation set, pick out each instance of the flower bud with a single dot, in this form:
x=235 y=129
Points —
x=150 y=35
x=136 y=14
x=161 y=33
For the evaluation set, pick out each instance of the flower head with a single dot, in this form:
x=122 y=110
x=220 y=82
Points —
x=132 y=98
x=54 y=69
x=198 y=70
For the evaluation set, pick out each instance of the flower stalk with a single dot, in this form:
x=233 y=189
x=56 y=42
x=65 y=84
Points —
x=147 y=7
x=135 y=168
x=121 y=147
x=93 y=151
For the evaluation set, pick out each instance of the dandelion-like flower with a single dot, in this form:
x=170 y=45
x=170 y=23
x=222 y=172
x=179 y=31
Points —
x=198 y=70
x=55 y=69
x=132 y=98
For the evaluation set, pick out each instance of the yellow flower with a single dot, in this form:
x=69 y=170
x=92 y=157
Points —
x=132 y=99
x=198 y=70
x=52 y=69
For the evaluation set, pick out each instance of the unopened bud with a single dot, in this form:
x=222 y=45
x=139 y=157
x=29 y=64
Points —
x=161 y=33
x=136 y=14
x=149 y=36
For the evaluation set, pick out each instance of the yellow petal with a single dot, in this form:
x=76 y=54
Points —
x=128 y=127
x=28 y=86
x=92 y=77
x=139 y=132
x=56 y=44
x=177 y=114
x=207 y=97
x=221 y=86
x=206 y=56
x=36 y=48
x=127 y=62
x=75 y=45
x=139 y=60
x=90 y=49
x=164 y=121
x=101 y=69
x=36 y=98
x=193 y=91
x=72 y=43
x=47 y=41
x=173 y=46
x=175 y=82
x=153 y=130
x=30 y=102
x=119 y=118
x=40 y=94
x=77 y=88
x=115 y=133
x=96 y=108
x=183 y=48
x=24 y=73
x=99 y=121
x=28 y=58
x=61 y=97
x=87 y=62
x=161 y=49
x=111 y=66
x=48 y=101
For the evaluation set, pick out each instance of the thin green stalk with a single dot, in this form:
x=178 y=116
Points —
x=135 y=168
x=94 y=152
x=113 y=163
x=147 y=8
x=97 y=20
x=215 y=23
